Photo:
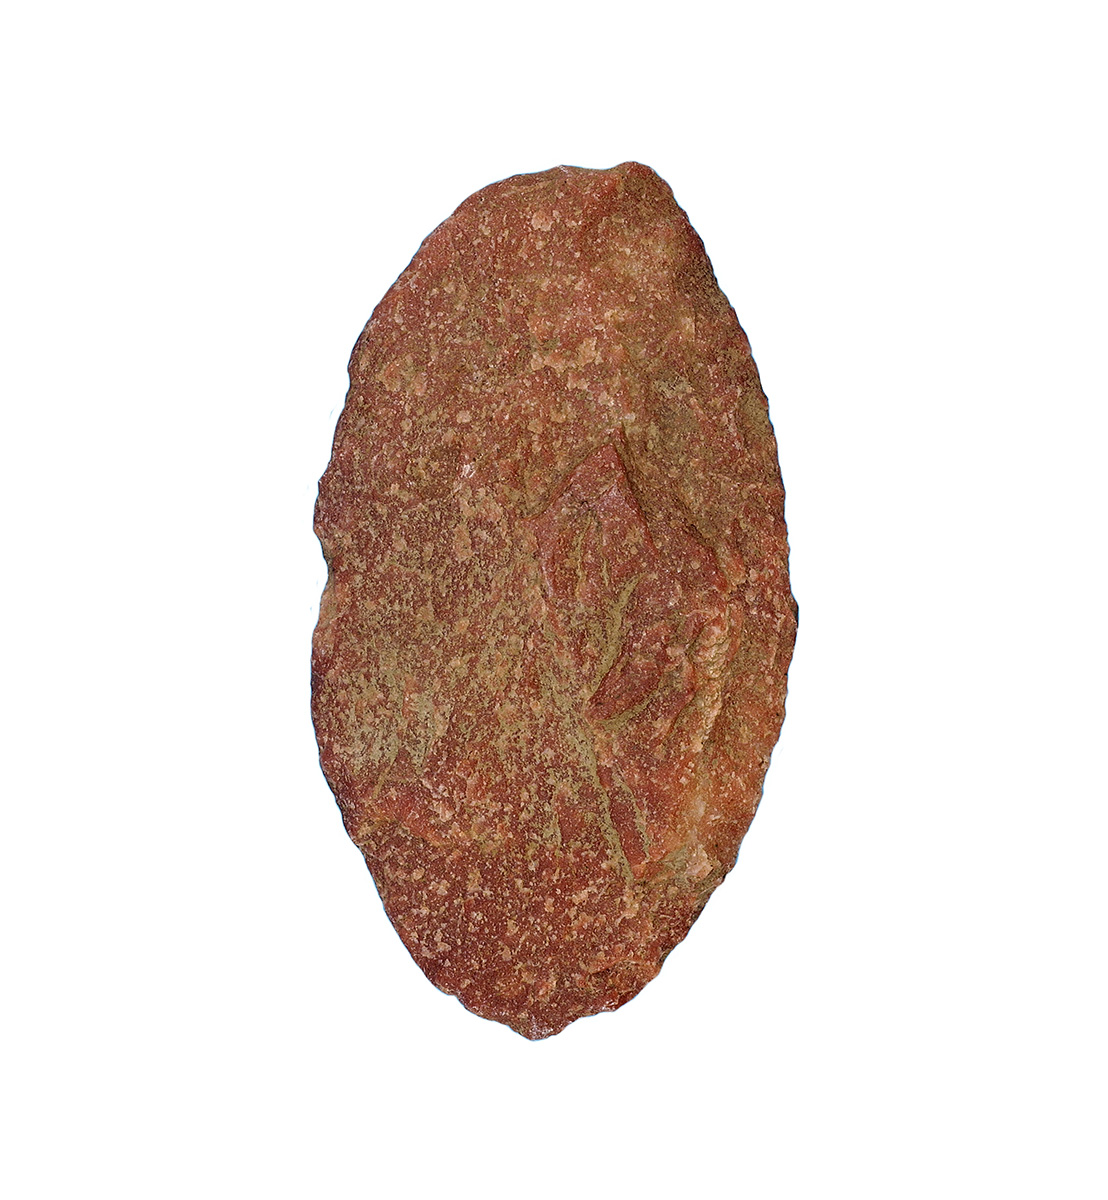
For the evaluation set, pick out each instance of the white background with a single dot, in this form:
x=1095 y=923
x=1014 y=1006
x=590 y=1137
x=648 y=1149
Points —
x=901 y=991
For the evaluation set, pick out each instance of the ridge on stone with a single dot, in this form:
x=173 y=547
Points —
x=551 y=655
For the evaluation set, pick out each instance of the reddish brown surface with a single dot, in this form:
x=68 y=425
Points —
x=550 y=662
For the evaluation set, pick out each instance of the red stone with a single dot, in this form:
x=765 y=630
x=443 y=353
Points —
x=551 y=655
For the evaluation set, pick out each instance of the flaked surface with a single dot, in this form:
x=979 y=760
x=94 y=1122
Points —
x=551 y=655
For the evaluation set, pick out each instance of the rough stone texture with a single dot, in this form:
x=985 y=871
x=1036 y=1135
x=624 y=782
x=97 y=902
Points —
x=550 y=661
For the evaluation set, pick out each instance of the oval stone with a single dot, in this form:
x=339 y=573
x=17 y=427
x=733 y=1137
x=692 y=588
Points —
x=551 y=656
